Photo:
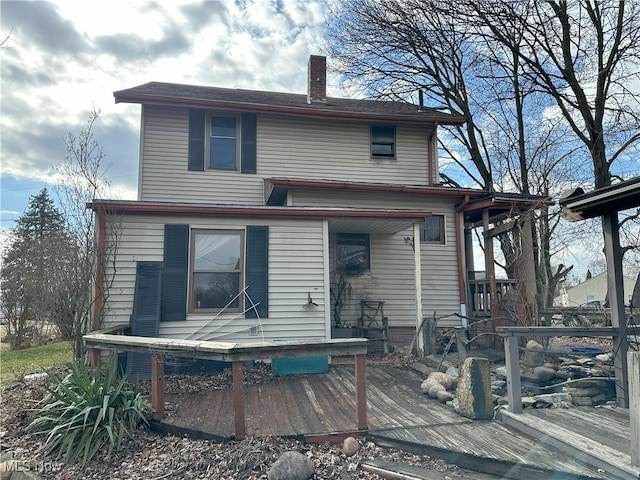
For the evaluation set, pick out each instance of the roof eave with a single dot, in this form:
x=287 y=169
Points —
x=162 y=100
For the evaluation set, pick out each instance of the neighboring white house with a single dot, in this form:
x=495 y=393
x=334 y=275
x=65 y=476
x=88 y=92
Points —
x=592 y=290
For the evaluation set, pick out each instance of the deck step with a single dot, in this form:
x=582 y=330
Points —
x=578 y=446
x=405 y=471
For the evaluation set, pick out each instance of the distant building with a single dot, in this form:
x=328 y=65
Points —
x=591 y=291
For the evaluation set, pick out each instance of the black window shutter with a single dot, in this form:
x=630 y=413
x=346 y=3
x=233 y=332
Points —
x=257 y=270
x=175 y=272
x=196 y=140
x=145 y=316
x=248 y=150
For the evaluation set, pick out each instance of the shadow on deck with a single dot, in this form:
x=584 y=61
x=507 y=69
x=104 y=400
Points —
x=322 y=408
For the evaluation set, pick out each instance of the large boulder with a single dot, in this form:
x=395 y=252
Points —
x=291 y=466
x=474 y=396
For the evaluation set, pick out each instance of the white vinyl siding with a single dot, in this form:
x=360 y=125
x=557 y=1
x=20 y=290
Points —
x=296 y=269
x=296 y=148
x=286 y=147
x=165 y=177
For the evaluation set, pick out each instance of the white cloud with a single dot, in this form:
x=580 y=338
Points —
x=66 y=57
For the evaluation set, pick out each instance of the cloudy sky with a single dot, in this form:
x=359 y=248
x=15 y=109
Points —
x=63 y=58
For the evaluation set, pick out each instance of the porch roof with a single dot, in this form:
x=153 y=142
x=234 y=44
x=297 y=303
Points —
x=343 y=219
x=578 y=205
x=471 y=201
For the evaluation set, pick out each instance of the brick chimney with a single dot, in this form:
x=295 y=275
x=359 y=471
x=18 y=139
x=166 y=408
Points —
x=317 y=79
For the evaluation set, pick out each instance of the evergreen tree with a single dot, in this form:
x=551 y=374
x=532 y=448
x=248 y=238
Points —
x=33 y=266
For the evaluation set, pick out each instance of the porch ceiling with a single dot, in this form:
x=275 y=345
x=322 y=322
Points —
x=369 y=225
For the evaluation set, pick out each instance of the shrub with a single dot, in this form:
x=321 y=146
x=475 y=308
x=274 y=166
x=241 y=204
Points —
x=86 y=410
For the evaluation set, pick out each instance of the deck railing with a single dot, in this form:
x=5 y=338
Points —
x=481 y=293
x=236 y=353
x=511 y=337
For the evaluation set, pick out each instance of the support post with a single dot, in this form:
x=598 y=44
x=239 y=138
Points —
x=157 y=387
x=94 y=357
x=512 y=360
x=633 y=362
x=238 y=399
x=361 y=391
x=461 y=343
x=613 y=254
x=490 y=268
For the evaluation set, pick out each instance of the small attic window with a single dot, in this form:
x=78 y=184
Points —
x=383 y=141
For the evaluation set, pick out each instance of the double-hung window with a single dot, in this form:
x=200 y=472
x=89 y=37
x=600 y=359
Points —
x=216 y=270
x=223 y=141
x=383 y=141
x=432 y=230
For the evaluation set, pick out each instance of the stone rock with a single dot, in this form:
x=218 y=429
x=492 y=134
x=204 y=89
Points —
x=34 y=377
x=433 y=391
x=474 y=389
x=454 y=373
x=604 y=357
x=291 y=466
x=528 y=402
x=544 y=374
x=442 y=378
x=502 y=400
x=445 y=396
x=553 y=398
x=350 y=446
x=501 y=372
x=583 y=392
x=599 y=399
x=427 y=384
x=534 y=356
x=582 y=401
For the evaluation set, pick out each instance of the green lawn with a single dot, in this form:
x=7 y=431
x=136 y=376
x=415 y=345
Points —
x=28 y=360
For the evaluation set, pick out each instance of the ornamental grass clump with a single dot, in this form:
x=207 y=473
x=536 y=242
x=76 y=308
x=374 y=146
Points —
x=88 y=409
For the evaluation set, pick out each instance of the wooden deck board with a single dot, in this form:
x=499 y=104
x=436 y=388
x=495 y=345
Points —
x=398 y=413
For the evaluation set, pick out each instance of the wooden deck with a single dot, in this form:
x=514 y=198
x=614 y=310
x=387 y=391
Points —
x=316 y=407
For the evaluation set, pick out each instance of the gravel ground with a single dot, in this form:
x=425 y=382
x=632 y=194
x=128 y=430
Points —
x=147 y=455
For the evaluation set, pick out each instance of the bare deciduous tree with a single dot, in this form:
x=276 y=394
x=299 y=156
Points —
x=542 y=86
x=79 y=309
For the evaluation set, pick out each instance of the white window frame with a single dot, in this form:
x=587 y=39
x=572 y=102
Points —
x=192 y=306
x=443 y=230
x=208 y=137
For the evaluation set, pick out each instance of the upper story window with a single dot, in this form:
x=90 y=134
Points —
x=432 y=230
x=216 y=270
x=223 y=141
x=352 y=253
x=383 y=141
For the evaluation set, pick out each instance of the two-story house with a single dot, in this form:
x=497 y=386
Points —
x=252 y=204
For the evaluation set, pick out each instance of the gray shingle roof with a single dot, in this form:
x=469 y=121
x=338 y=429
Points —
x=193 y=95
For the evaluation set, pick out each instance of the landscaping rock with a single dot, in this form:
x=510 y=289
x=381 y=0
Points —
x=474 y=389
x=544 y=374
x=427 y=384
x=443 y=379
x=582 y=401
x=453 y=373
x=553 y=398
x=350 y=446
x=291 y=466
x=445 y=396
x=433 y=391
x=501 y=372
x=534 y=356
